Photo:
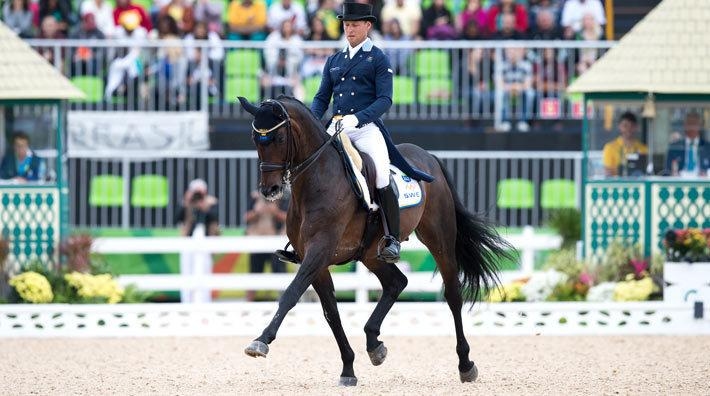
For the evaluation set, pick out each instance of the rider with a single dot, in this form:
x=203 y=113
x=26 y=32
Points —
x=359 y=78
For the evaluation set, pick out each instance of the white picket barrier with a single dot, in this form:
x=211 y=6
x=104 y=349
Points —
x=361 y=281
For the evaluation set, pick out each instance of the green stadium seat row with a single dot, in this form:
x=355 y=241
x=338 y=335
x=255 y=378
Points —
x=147 y=191
x=520 y=194
x=431 y=90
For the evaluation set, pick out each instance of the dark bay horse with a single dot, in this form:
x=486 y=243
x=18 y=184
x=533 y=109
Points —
x=326 y=223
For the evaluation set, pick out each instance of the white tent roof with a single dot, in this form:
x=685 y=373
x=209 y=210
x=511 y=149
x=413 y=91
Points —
x=668 y=52
x=24 y=74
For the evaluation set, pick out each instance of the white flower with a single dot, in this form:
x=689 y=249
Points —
x=542 y=284
x=602 y=292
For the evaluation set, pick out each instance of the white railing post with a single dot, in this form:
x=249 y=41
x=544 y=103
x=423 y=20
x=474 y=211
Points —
x=527 y=256
x=361 y=293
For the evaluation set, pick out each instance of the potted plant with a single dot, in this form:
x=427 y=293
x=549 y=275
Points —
x=686 y=271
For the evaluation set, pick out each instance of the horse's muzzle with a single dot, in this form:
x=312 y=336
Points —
x=272 y=193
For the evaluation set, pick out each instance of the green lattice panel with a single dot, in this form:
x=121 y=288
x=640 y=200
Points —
x=29 y=219
x=612 y=211
x=677 y=206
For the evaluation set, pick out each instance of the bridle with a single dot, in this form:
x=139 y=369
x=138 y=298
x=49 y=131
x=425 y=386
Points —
x=291 y=171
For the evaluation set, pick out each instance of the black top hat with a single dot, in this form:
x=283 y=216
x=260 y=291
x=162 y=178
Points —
x=357 y=12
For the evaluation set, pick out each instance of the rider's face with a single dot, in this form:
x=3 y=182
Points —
x=356 y=31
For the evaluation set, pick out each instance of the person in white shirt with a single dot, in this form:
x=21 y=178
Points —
x=287 y=9
x=574 y=10
x=103 y=15
x=407 y=13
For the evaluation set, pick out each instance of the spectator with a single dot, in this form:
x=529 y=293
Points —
x=471 y=32
x=315 y=58
x=545 y=28
x=283 y=54
x=615 y=152
x=507 y=7
x=49 y=29
x=197 y=218
x=126 y=10
x=85 y=60
x=265 y=218
x=689 y=156
x=591 y=31
x=407 y=13
x=574 y=11
x=550 y=74
x=287 y=10
x=477 y=87
x=102 y=11
x=399 y=57
x=210 y=13
x=171 y=68
x=326 y=13
x=473 y=15
x=247 y=20
x=516 y=82
x=215 y=56
x=61 y=11
x=18 y=17
x=126 y=69
x=182 y=14
x=507 y=30
x=551 y=6
x=438 y=23
x=21 y=164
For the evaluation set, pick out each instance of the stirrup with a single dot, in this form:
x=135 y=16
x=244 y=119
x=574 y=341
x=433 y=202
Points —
x=288 y=257
x=388 y=249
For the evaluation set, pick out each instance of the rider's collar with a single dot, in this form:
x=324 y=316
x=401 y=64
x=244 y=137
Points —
x=366 y=46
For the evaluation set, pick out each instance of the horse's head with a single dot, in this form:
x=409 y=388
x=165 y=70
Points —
x=271 y=132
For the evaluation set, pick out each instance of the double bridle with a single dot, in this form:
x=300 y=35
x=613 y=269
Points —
x=291 y=172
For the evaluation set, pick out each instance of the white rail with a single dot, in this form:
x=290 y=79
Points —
x=360 y=281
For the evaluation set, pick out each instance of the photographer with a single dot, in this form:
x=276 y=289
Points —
x=197 y=218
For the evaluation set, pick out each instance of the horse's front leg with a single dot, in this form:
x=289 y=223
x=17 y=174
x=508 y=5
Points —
x=326 y=292
x=317 y=257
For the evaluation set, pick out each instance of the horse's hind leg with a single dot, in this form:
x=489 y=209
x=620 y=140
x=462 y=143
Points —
x=323 y=284
x=393 y=282
x=441 y=243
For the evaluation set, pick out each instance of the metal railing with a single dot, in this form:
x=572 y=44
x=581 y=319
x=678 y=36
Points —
x=442 y=80
x=232 y=175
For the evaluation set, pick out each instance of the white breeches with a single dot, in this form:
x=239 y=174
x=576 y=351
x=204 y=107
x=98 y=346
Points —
x=369 y=139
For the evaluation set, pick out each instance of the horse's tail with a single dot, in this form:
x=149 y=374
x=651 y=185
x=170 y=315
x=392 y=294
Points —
x=479 y=248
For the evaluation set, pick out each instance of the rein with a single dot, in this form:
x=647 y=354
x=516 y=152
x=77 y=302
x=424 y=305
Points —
x=291 y=172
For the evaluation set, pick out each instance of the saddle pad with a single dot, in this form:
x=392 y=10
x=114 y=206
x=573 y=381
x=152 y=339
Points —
x=410 y=191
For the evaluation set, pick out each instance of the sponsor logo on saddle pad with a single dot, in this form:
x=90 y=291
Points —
x=410 y=192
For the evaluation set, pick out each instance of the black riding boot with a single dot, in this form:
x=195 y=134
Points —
x=388 y=248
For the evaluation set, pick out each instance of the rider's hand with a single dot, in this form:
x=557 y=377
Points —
x=350 y=121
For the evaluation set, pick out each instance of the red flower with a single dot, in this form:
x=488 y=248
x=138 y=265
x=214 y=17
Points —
x=639 y=266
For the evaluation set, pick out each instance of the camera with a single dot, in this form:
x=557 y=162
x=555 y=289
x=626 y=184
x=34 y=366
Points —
x=197 y=197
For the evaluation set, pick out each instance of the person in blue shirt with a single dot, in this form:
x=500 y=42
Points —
x=359 y=81
x=21 y=164
x=690 y=155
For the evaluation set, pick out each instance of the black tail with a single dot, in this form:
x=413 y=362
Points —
x=479 y=248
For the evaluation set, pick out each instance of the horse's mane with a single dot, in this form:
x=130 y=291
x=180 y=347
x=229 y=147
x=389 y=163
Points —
x=307 y=113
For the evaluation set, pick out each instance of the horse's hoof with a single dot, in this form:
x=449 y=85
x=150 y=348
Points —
x=378 y=355
x=347 y=381
x=470 y=375
x=256 y=349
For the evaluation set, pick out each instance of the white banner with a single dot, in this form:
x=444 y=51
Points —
x=137 y=130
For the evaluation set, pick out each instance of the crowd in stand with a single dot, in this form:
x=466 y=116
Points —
x=286 y=23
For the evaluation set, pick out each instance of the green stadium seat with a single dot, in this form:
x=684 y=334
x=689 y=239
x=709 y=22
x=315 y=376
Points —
x=558 y=194
x=434 y=90
x=455 y=6
x=311 y=85
x=403 y=90
x=106 y=190
x=247 y=87
x=91 y=86
x=432 y=63
x=149 y=191
x=243 y=62
x=146 y=4
x=516 y=194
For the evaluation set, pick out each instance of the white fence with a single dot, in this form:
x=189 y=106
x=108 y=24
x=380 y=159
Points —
x=249 y=319
x=361 y=281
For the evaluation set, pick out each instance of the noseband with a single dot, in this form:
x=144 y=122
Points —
x=291 y=172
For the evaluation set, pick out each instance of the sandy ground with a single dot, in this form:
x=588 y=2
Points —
x=311 y=365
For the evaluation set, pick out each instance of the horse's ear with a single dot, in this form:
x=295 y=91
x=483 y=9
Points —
x=246 y=105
